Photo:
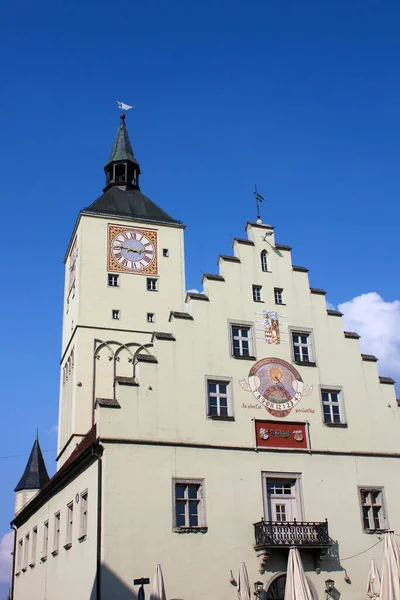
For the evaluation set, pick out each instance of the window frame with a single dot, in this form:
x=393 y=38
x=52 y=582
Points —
x=264 y=261
x=268 y=476
x=230 y=405
x=70 y=525
x=257 y=293
x=83 y=515
x=45 y=540
x=151 y=279
x=342 y=413
x=20 y=549
x=252 y=346
x=25 y=560
x=311 y=345
x=110 y=277
x=278 y=290
x=373 y=489
x=34 y=546
x=202 y=527
x=57 y=531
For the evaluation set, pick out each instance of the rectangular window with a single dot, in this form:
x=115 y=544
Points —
x=84 y=515
x=57 y=520
x=241 y=340
x=373 y=509
x=152 y=284
x=113 y=280
x=34 y=545
x=70 y=522
x=282 y=497
x=219 y=398
x=302 y=346
x=331 y=406
x=257 y=293
x=165 y=252
x=264 y=261
x=150 y=318
x=189 y=504
x=116 y=314
x=45 y=540
x=19 y=555
x=278 y=293
x=26 y=553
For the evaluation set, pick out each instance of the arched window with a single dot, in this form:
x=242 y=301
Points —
x=276 y=588
x=264 y=262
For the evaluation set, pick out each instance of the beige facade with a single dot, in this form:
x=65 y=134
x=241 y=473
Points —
x=196 y=436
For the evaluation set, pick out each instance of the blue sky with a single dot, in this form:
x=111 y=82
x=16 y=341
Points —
x=302 y=98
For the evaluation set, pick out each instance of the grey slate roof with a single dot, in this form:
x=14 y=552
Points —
x=35 y=475
x=122 y=148
x=129 y=203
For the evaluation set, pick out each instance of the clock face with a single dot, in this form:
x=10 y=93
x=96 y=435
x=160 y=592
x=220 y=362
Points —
x=132 y=250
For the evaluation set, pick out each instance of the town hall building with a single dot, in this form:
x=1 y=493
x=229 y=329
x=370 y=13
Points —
x=200 y=430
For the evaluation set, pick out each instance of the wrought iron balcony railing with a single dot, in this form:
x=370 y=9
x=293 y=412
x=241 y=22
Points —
x=273 y=534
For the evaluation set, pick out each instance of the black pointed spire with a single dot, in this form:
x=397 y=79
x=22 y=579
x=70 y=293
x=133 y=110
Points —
x=35 y=475
x=122 y=168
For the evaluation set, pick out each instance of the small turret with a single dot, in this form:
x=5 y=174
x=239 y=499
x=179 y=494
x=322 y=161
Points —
x=122 y=168
x=34 y=478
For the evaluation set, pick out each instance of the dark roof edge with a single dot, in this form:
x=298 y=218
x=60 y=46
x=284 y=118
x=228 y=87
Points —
x=300 y=269
x=243 y=241
x=351 y=335
x=388 y=380
x=369 y=358
x=197 y=296
x=283 y=247
x=172 y=223
x=317 y=291
x=212 y=277
x=260 y=225
x=180 y=315
x=334 y=313
x=233 y=259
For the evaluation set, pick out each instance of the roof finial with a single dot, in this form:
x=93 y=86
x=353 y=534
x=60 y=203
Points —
x=259 y=199
x=37 y=434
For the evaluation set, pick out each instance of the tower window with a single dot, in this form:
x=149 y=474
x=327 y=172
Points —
x=116 y=314
x=152 y=285
x=120 y=173
x=165 y=252
x=264 y=263
x=113 y=280
x=278 y=293
x=150 y=317
x=257 y=293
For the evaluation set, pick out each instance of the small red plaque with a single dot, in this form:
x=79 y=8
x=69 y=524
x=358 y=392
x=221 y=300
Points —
x=280 y=434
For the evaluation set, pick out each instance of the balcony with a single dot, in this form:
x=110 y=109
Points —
x=274 y=535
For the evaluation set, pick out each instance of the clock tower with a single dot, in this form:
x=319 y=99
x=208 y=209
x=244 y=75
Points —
x=124 y=273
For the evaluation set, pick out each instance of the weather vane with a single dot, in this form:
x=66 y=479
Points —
x=259 y=199
x=123 y=106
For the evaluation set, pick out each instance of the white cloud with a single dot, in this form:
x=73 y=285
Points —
x=6 y=547
x=330 y=306
x=378 y=324
x=194 y=291
x=53 y=429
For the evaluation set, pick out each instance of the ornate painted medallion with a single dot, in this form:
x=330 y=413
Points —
x=132 y=250
x=277 y=385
